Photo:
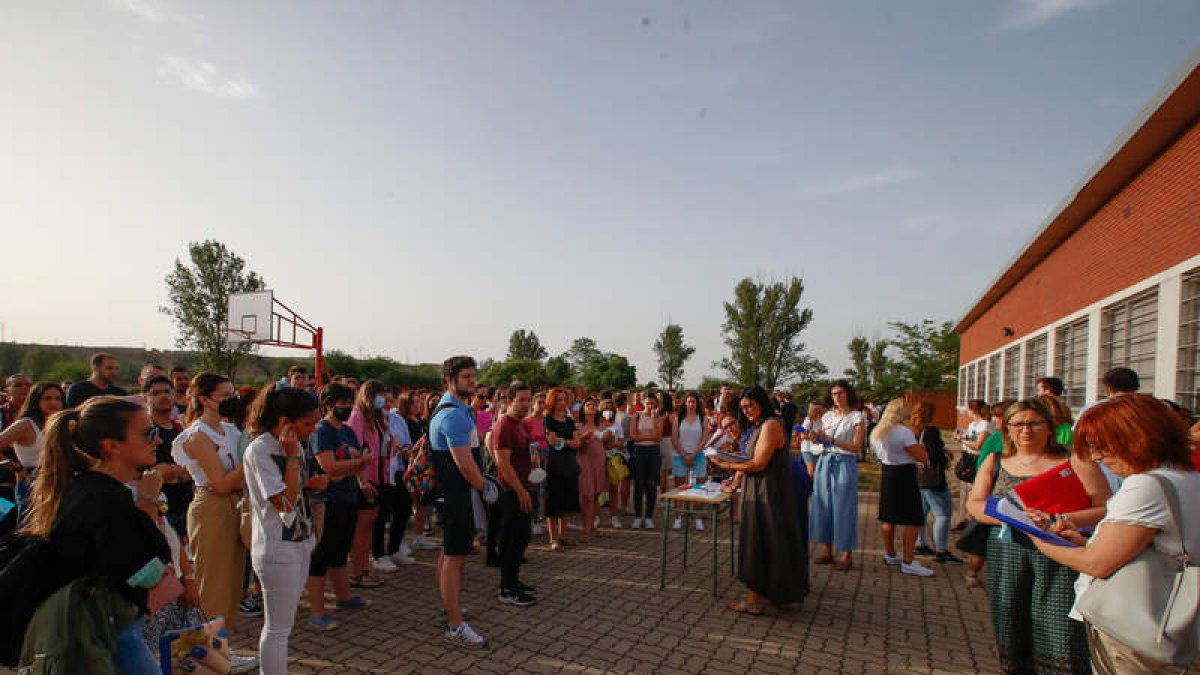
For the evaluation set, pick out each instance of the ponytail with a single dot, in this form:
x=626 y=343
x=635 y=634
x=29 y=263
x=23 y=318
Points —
x=272 y=405
x=203 y=384
x=72 y=445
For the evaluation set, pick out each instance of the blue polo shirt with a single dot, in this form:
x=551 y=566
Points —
x=453 y=427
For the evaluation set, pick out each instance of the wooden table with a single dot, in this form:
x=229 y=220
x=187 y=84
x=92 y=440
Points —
x=686 y=504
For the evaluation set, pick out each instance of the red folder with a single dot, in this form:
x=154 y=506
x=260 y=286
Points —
x=1057 y=490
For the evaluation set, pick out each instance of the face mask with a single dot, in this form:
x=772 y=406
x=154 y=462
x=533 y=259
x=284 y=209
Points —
x=231 y=408
x=379 y=402
x=607 y=414
x=342 y=414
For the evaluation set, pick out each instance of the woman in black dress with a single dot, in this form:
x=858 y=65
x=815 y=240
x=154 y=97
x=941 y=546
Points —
x=773 y=560
x=562 y=482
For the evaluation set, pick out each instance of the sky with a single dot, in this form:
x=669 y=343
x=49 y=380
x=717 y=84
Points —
x=423 y=178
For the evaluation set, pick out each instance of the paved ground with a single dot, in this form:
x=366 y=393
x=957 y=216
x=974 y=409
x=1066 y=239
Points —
x=602 y=611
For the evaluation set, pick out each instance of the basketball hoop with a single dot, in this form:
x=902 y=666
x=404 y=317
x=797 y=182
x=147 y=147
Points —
x=258 y=318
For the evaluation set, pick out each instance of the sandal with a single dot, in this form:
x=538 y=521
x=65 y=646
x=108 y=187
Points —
x=365 y=581
x=843 y=565
x=557 y=547
x=743 y=607
x=823 y=559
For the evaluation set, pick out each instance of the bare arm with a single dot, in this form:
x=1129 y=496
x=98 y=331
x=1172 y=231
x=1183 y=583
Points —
x=981 y=489
x=285 y=502
x=918 y=453
x=770 y=438
x=467 y=466
x=978 y=442
x=21 y=432
x=339 y=468
x=1110 y=550
x=202 y=449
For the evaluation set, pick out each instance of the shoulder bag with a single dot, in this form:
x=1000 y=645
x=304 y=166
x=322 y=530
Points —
x=1152 y=604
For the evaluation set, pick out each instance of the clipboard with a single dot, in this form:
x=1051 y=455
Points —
x=1008 y=513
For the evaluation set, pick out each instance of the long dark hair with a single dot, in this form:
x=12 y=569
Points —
x=203 y=384
x=852 y=399
x=272 y=405
x=73 y=445
x=762 y=399
x=33 y=403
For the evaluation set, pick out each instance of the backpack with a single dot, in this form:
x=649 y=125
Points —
x=420 y=478
x=28 y=576
x=75 y=630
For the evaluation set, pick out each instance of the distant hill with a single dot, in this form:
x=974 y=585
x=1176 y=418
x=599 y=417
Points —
x=70 y=362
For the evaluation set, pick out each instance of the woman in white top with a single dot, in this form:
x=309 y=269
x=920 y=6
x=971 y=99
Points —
x=810 y=451
x=833 y=521
x=24 y=437
x=208 y=449
x=898 y=450
x=1142 y=441
x=971 y=441
x=687 y=436
x=283 y=528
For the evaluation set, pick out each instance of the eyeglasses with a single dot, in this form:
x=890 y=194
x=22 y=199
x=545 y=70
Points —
x=1030 y=426
x=151 y=434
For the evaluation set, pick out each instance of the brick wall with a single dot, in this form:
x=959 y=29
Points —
x=1151 y=225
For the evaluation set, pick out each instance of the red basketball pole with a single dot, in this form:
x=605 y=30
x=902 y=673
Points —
x=304 y=335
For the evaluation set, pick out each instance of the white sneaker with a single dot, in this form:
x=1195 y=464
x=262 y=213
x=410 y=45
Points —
x=916 y=569
x=649 y=524
x=400 y=558
x=699 y=524
x=384 y=565
x=677 y=524
x=242 y=664
x=538 y=528
x=573 y=526
x=616 y=523
x=423 y=544
x=596 y=523
x=406 y=549
x=637 y=523
x=891 y=559
x=466 y=636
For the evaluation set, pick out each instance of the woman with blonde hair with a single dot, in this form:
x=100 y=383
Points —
x=898 y=450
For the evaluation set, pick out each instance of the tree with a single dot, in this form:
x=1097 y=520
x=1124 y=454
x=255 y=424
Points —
x=530 y=371
x=38 y=361
x=525 y=345
x=609 y=371
x=928 y=354
x=672 y=354
x=762 y=329
x=199 y=303
x=558 y=370
x=859 y=371
x=581 y=351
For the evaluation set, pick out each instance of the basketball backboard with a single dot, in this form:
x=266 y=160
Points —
x=251 y=317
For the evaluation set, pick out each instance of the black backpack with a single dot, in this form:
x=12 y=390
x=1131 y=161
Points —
x=28 y=576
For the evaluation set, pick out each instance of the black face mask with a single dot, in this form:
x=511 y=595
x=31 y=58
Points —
x=342 y=414
x=231 y=408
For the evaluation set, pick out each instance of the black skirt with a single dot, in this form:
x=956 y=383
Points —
x=899 y=496
x=562 y=496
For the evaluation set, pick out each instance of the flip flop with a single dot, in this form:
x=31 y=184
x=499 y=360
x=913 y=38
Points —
x=366 y=581
x=743 y=607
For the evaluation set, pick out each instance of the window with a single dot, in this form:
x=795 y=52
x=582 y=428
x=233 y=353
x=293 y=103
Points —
x=1012 y=373
x=971 y=381
x=1128 y=336
x=1187 y=381
x=962 y=387
x=993 y=381
x=1070 y=361
x=980 y=378
x=1035 y=362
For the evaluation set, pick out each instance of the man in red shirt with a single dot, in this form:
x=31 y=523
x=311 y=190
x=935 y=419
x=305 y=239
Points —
x=511 y=441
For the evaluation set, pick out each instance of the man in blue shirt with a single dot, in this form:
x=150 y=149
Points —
x=452 y=437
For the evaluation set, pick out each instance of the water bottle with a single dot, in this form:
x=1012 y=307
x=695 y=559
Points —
x=691 y=477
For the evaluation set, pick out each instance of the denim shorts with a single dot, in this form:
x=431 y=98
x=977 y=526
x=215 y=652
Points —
x=679 y=468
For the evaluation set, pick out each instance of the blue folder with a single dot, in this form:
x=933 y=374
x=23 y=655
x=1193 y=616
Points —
x=992 y=509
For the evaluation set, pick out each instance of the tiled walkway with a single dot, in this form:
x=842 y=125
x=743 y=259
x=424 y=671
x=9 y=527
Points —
x=601 y=611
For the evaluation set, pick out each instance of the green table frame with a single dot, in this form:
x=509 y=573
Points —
x=688 y=504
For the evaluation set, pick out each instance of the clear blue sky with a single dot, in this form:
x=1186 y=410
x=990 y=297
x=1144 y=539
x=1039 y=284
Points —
x=422 y=178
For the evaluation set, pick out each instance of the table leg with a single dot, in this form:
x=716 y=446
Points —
x=732 y=544
x=662 y=576
x=686 y=514
x=715 y=512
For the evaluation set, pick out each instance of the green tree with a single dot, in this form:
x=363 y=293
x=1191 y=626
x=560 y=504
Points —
x=38 y=361
x=10 y=358
x=530 y=371
x=581 y=351
x=525 y=345
x=859 y=371
x=928 y=354
x=762 y=329
x=558 y=370
x=672 y=354
x=198 y=296
x=609 y=371
x=340 y=363
x=62 y=371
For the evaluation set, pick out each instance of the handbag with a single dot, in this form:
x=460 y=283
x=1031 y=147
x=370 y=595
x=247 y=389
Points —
x=616 y=469
x=1151 y=604
x=973 y=538
x=967 y=465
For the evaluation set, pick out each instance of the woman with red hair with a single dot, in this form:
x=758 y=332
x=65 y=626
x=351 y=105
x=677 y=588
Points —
x=1141 y=440
x=562 y=482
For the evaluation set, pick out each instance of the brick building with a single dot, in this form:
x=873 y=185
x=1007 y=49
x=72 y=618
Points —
x=1112 y=278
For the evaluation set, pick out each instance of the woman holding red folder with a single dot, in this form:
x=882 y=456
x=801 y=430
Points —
x=1030 y=594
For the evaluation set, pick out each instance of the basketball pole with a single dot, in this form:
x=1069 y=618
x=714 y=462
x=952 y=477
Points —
x=319 y=343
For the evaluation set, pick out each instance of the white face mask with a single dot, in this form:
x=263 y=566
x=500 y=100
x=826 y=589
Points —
x=607 y=414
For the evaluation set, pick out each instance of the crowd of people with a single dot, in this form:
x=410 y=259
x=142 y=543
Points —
x=251 y=498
